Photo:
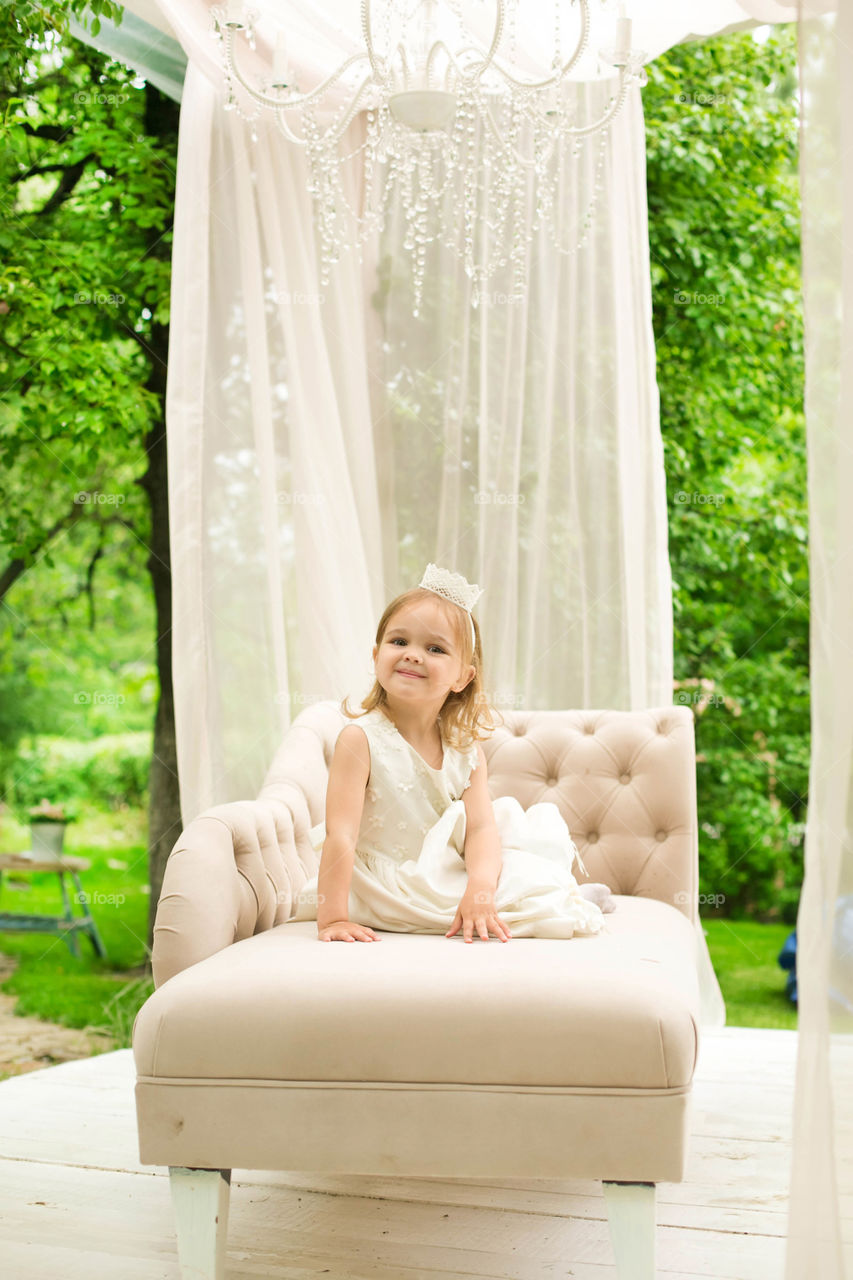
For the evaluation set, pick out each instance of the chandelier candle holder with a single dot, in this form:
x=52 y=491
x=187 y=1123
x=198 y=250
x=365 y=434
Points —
x=476 y=152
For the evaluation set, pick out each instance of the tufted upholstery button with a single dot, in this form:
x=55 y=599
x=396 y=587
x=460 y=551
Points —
x=589 y=728
x=660 y=836
x=592 y=837
x=518 y=729
x=552 y=782
x=625 y=777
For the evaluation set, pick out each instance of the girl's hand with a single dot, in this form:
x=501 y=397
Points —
x=477 y=911
x=346 y=931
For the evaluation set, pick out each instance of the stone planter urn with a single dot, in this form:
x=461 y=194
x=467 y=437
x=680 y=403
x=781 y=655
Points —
x=47 y=829
x=46 y=838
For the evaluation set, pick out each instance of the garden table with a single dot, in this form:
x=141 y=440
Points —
x=67 y=926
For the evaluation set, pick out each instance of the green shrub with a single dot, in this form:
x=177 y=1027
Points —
x=110 y=773
x=721 y=128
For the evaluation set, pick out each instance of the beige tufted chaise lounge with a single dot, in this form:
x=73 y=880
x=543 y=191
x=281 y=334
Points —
x=263 y=1048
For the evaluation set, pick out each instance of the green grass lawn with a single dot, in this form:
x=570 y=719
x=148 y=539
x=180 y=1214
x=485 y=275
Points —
x=87 y=992
x=51 y=983
x=753 y=986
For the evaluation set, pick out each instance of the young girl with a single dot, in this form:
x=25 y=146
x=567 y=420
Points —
x=412 y=842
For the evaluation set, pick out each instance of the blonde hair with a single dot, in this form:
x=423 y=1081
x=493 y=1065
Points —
x=466 y=716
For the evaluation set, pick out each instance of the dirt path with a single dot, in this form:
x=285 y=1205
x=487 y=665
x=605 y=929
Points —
x=28 y=1044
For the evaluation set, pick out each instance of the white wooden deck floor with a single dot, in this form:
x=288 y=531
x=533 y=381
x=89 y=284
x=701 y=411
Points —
x=75 y=1203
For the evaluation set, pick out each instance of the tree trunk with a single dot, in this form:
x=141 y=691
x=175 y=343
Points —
x=164 y=809
x=164 y=812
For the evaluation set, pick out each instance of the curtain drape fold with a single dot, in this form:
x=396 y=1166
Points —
x=325 y=443
x=820 y=1234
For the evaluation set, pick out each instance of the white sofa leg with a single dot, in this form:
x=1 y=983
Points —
x=200 y=1200
x=631 y=1213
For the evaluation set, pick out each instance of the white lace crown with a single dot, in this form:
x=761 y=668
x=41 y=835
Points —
x=452 y=586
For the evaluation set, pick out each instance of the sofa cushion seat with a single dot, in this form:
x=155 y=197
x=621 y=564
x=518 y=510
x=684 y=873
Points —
x=619 y=1010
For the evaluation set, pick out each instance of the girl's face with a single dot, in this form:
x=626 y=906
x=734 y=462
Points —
x=419 y=658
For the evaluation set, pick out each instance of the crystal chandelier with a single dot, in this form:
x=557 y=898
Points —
x=472 y=149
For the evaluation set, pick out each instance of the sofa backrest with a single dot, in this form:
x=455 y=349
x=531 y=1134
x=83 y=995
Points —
x=624 y=782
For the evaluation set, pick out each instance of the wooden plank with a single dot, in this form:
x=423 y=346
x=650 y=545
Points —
x=731 y=1185
x=43 y=1260
x=70 y=1142
x=40 y=1262
x=29 y=861
x=736 y=1110
x=740 y=1191
x=102 y=1225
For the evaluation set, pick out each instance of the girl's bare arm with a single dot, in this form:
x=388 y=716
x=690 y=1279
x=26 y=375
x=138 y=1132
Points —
x=476 y=912
x=483 y=856
x=348 y=775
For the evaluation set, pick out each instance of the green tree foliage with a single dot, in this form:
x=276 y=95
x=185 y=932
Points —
x=87 y=200
x=108 y=773
x=721 y=121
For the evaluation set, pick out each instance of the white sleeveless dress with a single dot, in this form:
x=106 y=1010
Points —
x=409 y=872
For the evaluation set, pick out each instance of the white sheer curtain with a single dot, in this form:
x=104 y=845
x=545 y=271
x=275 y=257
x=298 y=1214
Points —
x=276 y=551
x=525 y=445
x=321 y=25
x=324 y=444
x=820 y=1239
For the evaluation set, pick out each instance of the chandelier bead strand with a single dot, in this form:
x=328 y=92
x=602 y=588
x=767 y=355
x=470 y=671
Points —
x=477 y=155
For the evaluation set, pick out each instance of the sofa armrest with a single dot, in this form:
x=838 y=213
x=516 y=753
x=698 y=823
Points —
x=234 y=872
